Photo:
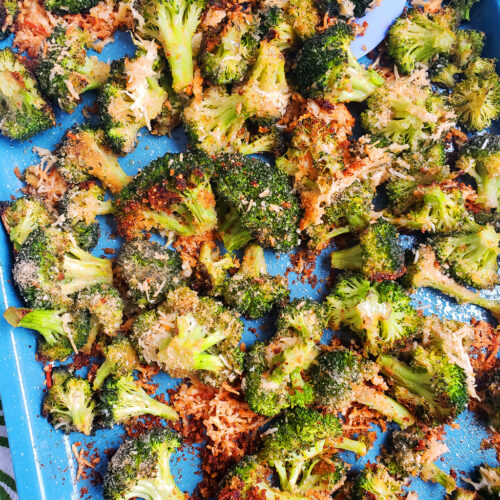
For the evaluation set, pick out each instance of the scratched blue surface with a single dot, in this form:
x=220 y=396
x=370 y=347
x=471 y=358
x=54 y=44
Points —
x=43 y=462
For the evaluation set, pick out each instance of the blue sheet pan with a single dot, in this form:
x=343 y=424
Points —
x=44 y=466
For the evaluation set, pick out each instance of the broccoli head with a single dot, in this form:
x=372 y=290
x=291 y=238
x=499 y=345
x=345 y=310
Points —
x=375 y=481
x=343 y=8
x=276 y=27
x=304 y=17
x=24 y=112
x=63 y=7
x=469 y=45
x=65 y=71
x=141 y=467
x=9 y=9
x=68 y=404
x=172 y=194
x=149 y=271
x=304 y=318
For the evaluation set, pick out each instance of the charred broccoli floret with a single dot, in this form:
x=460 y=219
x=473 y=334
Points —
x=63 y=332
x=378 y=256
x=325 y=66
x=83 y=155
x=172 y=23
x=141 y=467
x=65 y=71
x=68 y=404
x=22 y=216
x=80 y=206
x=172 y=194
x=275 y=27
x=24 y=112
x=252 y=291
x=149 y=271
x=9 y=9
x=425 y=272
x=412 y=452
x=50 y=268
x=121 y=398
x=381 y=314
x=189 y=336
x=343 y=8
x=262 y=198
x=489 y=482
x=121 y=359
x=63 y=7
x=340 y=377
x=375 y=481
x=464 y=7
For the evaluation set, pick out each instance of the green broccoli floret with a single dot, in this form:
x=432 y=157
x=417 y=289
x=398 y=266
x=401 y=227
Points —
x=266 y=206
x=304 y=318
x=425 y=272
x=343 y=8
x=83 y=155
x=268 y=139
x=476 y=99
x=480 y=158
x=63 y=7
x=22 y=216
x=464 y=7
x=68 y=404
x=252 y=291
x=189 y=336
x=375 y=481
x=121 y=398
x=64 y=70
x=50 y=268
x=227 y=52
x=172 y=23
x=378 y=256
x=233 y=235
x=381 y=314
x=80 y=206
x=304 y=17
x=9 y=9
x=471 y=257
x=105 y=305
x=405 y=111
x=325 y=66
x=210 y=272
x=141 y=468
x=121 y=359
x=64 y=332
x=172 y=194
x=275 y=27
x=444 y=73
x=132 y=97
x=340 y=377
x=469 y=45
x=431 y=386
x=412 y=452
x=149 y=271
x=24 y=112
x=418 y=37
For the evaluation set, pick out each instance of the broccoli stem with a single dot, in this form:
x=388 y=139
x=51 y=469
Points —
x=107 y=368
x=105 y=208
x=234 y=236
x=350 y=258
x=488 y=189
x=253 y=264
x=80 y=412
x=96 y=73
x=356 y=447
x=20 y=232
x=263 y=144
x=205 y=217
x=169 y=222
x=385 y=406
x=431 y=472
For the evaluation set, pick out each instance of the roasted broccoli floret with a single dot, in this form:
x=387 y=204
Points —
x=141 y=468
x=340 y=377
x=378 y=256
x=172 y=23
x=343 y=8
x=425 y=272
x=105 y=305
x=83 y=155
x=50 y=268
x=412 y=452
x=405 y=111
x=469 y=45
x=304 y=17
x=22 y=216
x=132 y=97
x=227 y=52
x=418 y=37
x=63 y=7
x=121 y=398
x=211 y=269
x=325 y=66
x=65 y=71
x=233 y=235
x=149 y=271
x=381 y=314
x=189 y=336
x=275 y=27
x=480 y=158
x=444 y=73
x=262 y=198
x=64 y=332
x=464 y=7
x=489 y=482
x=121 y=359
x=80 y=206
x=68 y=404
x=431 y=386
x=476 y=99
x=9 y=9
x=375 y=481
x=252 y=291
x=490 y=399
x=24 y=112
x=172 y=194
x=304 y=318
